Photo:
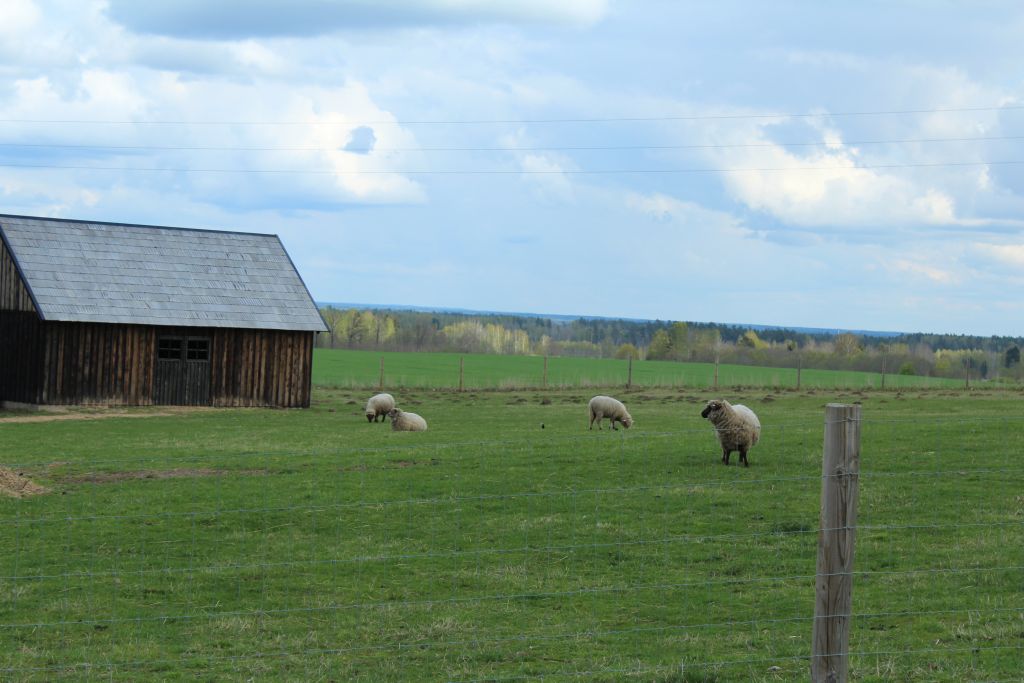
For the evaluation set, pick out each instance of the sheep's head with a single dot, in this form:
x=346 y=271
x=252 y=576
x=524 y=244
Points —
x=627 y=421
x=713 y=408
x=394 y=413
x=370 y=414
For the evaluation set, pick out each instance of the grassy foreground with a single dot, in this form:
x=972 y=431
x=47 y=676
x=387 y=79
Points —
x=345 y=368
x=506 y=543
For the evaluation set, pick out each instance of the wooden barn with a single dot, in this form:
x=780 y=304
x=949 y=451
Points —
x=107 y=313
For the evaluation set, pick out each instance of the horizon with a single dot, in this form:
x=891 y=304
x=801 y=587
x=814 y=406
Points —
x=341 y=305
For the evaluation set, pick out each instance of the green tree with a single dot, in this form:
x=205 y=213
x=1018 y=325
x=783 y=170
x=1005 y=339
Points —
x=332 y=318
x=847 y=344
x=626 y=351
x=678 y=335
x=1012 y=356
x=750 y=340
x=660 y=347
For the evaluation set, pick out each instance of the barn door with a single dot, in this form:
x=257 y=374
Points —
x=182 y=371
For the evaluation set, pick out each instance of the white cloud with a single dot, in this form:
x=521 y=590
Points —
x=299 y=161
x=664 y=208
x=17 y=17
x=547 y=174
x=919 y=270
x=827 y=186
x=1005 y=254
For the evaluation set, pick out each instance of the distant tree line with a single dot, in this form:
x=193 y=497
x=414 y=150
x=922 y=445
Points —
x=914 y=354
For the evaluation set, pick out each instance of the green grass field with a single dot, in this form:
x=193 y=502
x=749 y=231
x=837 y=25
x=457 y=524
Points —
x=311 y=545
x=344 y=368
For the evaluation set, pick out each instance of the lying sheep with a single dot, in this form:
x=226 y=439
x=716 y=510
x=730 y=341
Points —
x=736 y=427
x=378 y=406
x=402 y=421
x=606 y=406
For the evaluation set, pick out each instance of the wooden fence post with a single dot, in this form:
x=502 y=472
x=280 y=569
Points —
x=629 y=377
x=836 y=533
x=380 y=383
x=462 y=360
x=716 y=371
x=544 y=382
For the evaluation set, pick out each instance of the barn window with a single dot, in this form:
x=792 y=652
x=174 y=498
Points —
x=199 y=349
x=169 y=348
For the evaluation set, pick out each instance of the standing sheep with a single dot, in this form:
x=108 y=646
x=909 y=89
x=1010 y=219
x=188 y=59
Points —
x=378 y=406
x=606 y=406
x=736 y=427
x=402 y=421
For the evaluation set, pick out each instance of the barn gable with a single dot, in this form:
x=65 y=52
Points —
x=14 y=295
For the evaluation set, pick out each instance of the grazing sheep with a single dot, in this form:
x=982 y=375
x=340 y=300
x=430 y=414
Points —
x=402 y=421
x=378 y=406
x=736 y=427
x=606 y=406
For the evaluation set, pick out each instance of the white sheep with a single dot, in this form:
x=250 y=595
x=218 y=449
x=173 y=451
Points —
x=378 y=406
x=605 y=406
x=402 y=421
x=736 y=427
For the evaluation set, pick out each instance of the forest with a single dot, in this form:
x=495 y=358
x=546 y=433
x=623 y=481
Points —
x=939 y=355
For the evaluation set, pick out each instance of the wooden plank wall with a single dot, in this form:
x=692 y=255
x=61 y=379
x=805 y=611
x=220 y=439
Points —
x=109 y=364
x=261 y=368
x=20 y=336
x=21 y=344
x=98 y=363
x=13 y=292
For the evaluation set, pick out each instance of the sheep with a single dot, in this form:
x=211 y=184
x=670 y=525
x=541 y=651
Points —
x=736 y=427
x=378 y=406
x=402 y=421
x=605 y=406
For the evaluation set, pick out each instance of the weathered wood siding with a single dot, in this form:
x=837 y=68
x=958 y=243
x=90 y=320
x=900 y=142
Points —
x=14 y=295
x=20 y=336
x=21 y=344
x=95 y=363
x=261 y=368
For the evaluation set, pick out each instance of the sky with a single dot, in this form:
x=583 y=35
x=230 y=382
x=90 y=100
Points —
x=837 y=165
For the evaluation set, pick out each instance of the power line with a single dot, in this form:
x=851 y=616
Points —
x=580 y=148
x=482 y=172
x=603 y=119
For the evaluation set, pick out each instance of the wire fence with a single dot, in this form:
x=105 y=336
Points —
x=605 y=557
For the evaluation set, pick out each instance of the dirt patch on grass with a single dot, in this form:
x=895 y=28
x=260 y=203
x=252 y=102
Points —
x=107 y=413
x=17 y=485
x=178 y=473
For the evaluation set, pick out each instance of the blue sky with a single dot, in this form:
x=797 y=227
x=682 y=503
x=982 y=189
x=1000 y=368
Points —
x=841 y=165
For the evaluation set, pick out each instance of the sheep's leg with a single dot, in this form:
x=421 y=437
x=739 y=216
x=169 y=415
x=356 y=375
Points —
x=743 y=457
x=593 y=416
x=613 y=425
x=725 y=455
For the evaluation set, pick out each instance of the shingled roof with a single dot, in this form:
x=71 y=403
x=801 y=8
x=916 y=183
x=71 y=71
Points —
x=79 y=271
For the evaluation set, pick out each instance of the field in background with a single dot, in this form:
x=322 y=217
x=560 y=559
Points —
x=345 y=368
x=507 y=543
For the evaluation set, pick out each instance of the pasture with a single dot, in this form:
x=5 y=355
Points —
x=349 y=369
x=506 y=543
